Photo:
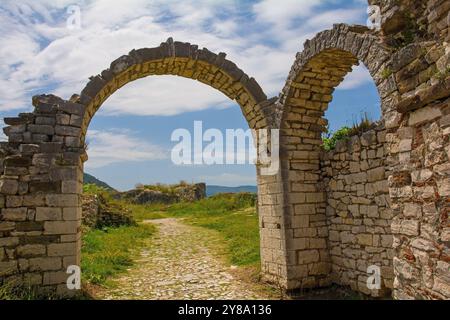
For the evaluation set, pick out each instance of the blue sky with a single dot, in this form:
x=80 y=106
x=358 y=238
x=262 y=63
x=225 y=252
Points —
x=129 y=138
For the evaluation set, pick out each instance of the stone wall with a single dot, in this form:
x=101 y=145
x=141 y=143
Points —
x=404 y=21
x=354 y=177
x=420 y=193
x=99 y=212
x=165 y=194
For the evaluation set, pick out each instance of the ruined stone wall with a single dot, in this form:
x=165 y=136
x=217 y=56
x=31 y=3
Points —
x=418 y=152
x=354 y=177
x=405 y=21
x=165 y=194
x=420 y=193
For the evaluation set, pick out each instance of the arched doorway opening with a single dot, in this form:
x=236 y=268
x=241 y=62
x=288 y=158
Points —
x=337 y=202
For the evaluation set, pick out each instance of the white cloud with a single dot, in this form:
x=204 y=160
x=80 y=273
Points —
x=164 y=95
x=326 y=19
x=40 y=55
x=283 y=13
x=116 y=146
x=358 y=77
x=229 y=179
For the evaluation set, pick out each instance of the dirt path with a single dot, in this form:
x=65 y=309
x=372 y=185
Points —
x=180 y=262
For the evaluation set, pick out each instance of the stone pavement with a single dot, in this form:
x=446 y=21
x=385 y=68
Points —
x=181 y=262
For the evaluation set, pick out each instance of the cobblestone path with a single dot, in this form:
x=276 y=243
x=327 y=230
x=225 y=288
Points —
x=180 y=262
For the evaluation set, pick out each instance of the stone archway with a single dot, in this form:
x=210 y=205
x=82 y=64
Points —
x=333 y=230
x=317 y=71
x=43 y=160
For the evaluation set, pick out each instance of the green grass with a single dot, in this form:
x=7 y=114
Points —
x=240 y=230
x=11 y=291
x=233 y=216
x=110 y=251
x=91 y=188
x=142 y=212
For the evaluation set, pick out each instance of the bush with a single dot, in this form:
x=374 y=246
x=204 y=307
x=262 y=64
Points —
x=329 y=142
x=359 y=127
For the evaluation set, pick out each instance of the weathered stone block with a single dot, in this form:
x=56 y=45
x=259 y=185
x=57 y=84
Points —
x=304 y=209
x=317 y=243
x=372 y=212
x=14 y=201
x=405 y=192
x=71 y=187
x=67 y=131
x=14 y=214
x=412 y=210
x=34 y=200
x=424 y=115
x=321 y=268
x=406 y=227
x=28 y=226
x=51 y=278
x=62 y=249
x=7 y=226
x=9 y=186
x=376 y=174
x=386 y=241
x=60 y=227
x=72 y=213
x=62 y=200
x=9 y=241
x=72 y=108
x=41 y=129
x=45 y=264
x=30 y=250
x=48 y=214
x=364 y=239
x=444 y=187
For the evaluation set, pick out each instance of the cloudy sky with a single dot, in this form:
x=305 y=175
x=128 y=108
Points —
x=129 y=139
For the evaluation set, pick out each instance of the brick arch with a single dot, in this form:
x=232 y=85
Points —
x=316 y=72
x=179 y=59
x=41 y=165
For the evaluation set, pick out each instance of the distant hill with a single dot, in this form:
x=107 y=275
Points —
x=212 y=190
x=89 y=179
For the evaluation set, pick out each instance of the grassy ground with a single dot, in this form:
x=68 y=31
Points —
x=110 y=251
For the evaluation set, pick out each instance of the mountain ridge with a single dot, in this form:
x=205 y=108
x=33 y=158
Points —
x=214 y=189
x=210 y=189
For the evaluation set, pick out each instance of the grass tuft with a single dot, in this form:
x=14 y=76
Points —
x=344 y=133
